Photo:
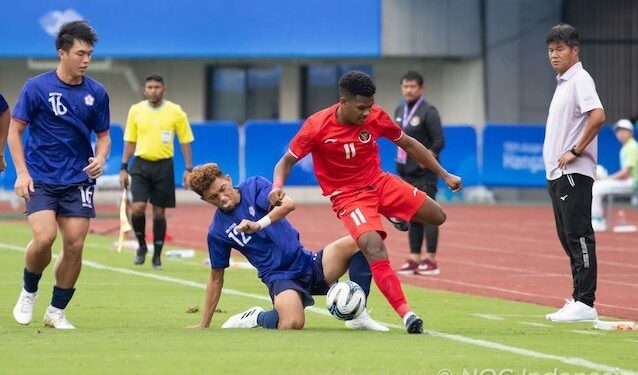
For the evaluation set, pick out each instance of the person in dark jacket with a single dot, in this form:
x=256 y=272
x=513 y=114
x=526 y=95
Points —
x=420 y=120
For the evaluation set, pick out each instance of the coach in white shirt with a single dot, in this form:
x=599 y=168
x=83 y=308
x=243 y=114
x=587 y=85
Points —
x=569 y=152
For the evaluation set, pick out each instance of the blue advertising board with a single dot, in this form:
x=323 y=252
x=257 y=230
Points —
x=215 y=141
x=458 y=155
x=513 y=156
x=266 y=142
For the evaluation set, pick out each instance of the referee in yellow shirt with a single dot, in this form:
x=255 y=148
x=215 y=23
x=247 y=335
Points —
x=150 y=128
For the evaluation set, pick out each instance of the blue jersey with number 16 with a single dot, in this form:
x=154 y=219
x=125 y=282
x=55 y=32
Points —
x=275 y=251
x=60 y=119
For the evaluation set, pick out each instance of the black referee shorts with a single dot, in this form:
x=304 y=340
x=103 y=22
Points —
x=153 y=181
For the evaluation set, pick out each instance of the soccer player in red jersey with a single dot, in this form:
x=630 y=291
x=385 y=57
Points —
x=342 y=140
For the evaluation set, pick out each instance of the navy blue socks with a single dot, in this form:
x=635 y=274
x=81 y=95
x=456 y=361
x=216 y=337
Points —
x=61 y=297
x=359 y=272
x=268 y=319
x=31 y=281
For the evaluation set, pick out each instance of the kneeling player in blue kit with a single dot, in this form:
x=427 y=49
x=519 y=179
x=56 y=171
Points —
x=271 y=244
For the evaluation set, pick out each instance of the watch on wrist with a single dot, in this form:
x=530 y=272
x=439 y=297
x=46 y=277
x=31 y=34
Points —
x=124 y=167
x=573 y=151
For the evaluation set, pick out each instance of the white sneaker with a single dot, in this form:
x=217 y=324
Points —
x=599 y=224
x=364 y=321
x=55 y=318
x=567 y=303
x=575 y=312
x=247 y=319
x=23 y=311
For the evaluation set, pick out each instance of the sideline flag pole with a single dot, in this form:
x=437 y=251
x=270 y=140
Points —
x=124 y=224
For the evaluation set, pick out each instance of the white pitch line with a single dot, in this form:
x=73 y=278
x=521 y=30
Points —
x=533 y=324
x=488 y=316
x=575 y=361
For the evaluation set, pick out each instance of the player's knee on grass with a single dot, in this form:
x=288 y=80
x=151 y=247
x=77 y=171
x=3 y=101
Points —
x=295 y=322
x=372 y=246
x=290 y=309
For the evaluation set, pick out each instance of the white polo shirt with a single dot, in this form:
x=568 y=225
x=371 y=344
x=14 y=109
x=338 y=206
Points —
x=574 y=97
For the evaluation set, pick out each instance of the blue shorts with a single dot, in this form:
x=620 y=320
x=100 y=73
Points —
x=312 y=284
x=69 y=200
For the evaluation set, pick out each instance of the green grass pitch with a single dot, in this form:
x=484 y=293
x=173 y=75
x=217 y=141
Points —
x=133 y=320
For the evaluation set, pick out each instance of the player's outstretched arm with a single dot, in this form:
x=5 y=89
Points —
x=423 y=156
x=281 y=173
x=277 y=213
x=213 y=292
x=24 y=183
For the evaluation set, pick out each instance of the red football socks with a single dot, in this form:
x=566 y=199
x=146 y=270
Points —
x=389 y=284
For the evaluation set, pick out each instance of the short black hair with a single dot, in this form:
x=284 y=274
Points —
x=413 y=75
x=563 y=33
x=154 y=77
x=71 y=31
x=356 y=83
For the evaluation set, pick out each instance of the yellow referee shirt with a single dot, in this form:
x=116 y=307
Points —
x=153 y=129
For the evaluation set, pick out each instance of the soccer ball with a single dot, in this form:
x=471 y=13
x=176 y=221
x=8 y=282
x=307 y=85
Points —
x=346 y=300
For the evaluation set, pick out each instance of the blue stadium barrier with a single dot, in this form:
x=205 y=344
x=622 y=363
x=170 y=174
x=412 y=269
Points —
x=266 y=142
x=114 y=159
x=8 y=177
x=459 y=155
x=215 y=141
x=608 y=149
x=513 y=155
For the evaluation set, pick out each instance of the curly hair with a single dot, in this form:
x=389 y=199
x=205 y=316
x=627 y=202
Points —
x=356 y=83
x=203 y=176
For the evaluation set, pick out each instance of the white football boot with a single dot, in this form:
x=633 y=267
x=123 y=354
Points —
x=55 y=318
x=247 y=319
x=23 y=310
x=365 y=322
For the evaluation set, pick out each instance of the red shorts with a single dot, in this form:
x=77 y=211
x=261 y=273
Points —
x=388 y=195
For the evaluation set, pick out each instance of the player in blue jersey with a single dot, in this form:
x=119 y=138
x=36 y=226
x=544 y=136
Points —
x=5 y=116
x=266 y=238
x=56 y=168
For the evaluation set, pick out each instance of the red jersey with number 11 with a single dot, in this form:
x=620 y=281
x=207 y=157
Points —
x=345 y=156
